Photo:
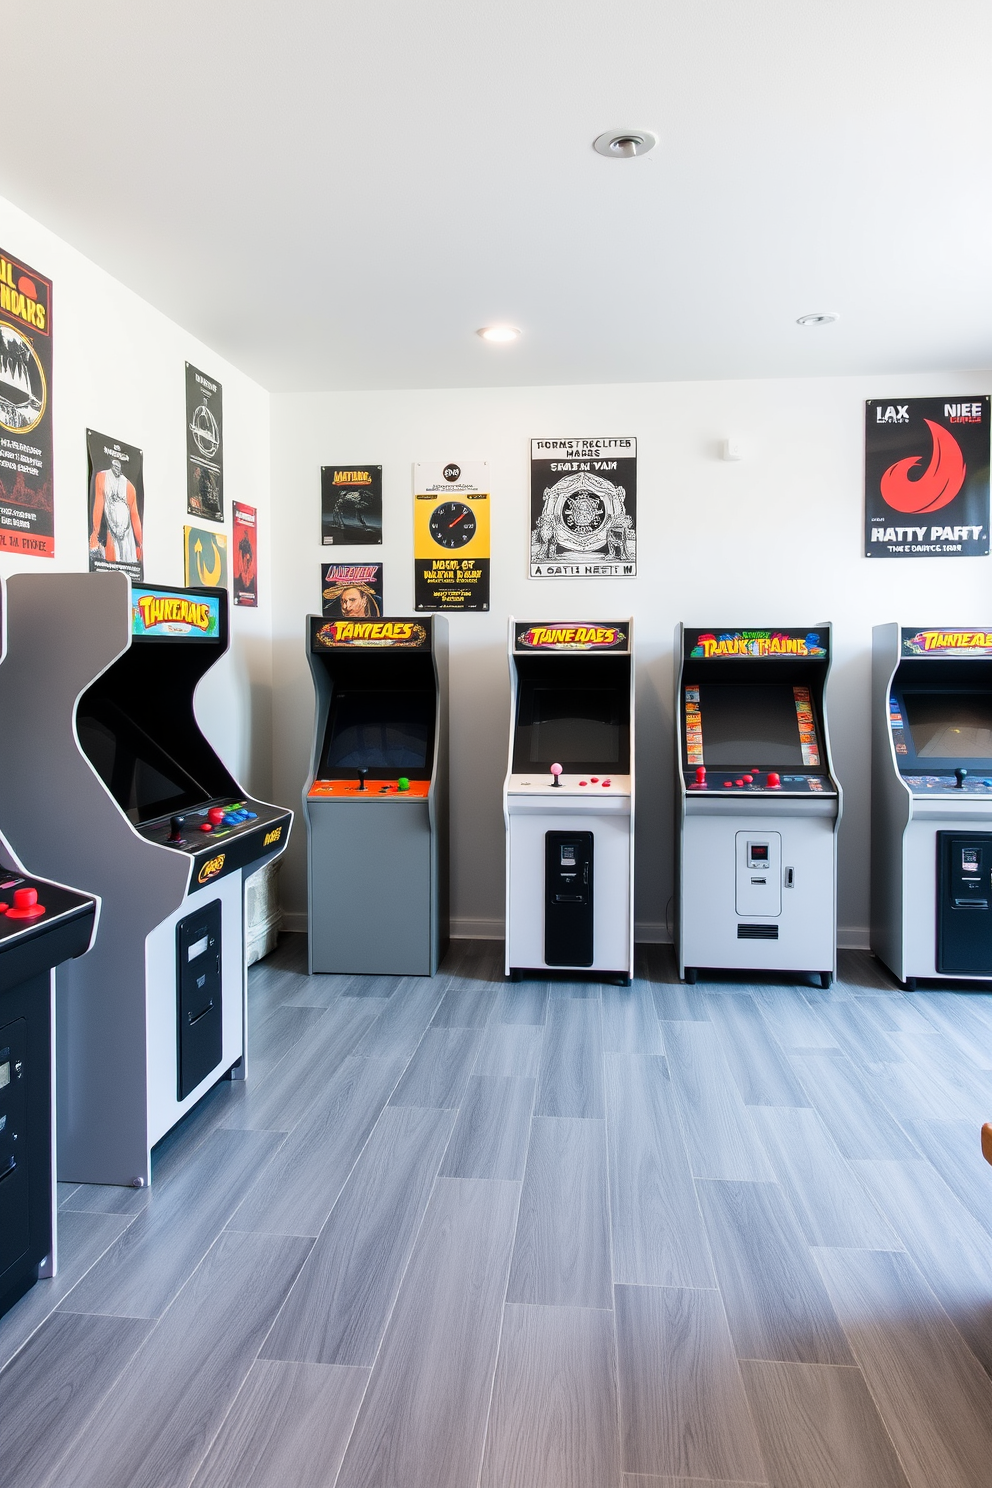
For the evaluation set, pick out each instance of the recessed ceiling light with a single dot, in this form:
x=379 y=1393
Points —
x=498 y=333
x=821 y=317
x=624 y=144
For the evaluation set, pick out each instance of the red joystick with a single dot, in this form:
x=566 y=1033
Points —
x=774 y=780
x=216 y=814
x=700 y=774
x=26 y=906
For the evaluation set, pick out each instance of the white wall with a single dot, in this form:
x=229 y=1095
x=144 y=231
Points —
x=119 y=368
x=775 y=539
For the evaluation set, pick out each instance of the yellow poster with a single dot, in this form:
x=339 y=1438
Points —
x=451 y=535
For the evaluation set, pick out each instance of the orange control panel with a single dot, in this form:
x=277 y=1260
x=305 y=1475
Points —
x=374 y=789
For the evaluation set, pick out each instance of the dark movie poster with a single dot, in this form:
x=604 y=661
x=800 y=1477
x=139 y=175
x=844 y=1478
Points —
x=927 y=478
x=116 y=505
x=351 y=591
x=244 y=544
x=583 y=508
x=350 y=505
x=204 y=446
x=27 y=506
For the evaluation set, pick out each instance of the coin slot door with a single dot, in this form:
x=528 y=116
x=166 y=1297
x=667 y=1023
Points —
x=568 y=908
x=964 y=902
x=198 y=981
x=759 y=873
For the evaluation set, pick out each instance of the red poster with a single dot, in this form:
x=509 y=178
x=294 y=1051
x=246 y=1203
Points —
x=27 y=509
x=245 y=555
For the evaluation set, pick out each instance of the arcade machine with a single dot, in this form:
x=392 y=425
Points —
x=41 y=924
x=568 y=799
x=118 y=789
x=758 y=806
x=931 y=847
x=377 y=801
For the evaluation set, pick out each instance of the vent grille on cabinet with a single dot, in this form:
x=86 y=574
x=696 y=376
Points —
x=757 y=932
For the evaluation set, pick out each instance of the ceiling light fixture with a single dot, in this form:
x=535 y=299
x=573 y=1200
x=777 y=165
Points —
x=498 y=333
x=821 y=317
x=624 y=144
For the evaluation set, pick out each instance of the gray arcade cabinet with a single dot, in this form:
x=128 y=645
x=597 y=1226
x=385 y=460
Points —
x=119 y=790
x=758 y=805
x=376 y=803
x=568 y=798
x=931 y=828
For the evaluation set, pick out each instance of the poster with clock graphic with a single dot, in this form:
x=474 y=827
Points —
x=451 y=535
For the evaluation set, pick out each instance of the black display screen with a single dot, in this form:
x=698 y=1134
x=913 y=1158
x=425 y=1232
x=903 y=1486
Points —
x=950 y=725
x=140 y=773
x=579 y=728
x=385 y=732
x=752 y=724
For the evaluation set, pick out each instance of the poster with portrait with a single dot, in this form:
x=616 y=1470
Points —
x=116 y=505
x=451 y=549
x=204 y=558
x=350 y=505
x=204 y=446
x=27 y=504
x=927 y=477
x=351 y=591
x=583 y=508
x=244 y=545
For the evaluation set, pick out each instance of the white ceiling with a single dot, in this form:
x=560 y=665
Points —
x=336 y=195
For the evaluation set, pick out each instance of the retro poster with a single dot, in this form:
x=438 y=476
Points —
x=350 y=505
x=116 y=505
x=583 y=508
x=451 y=535
x=204 y=558
x=204 y=446
x=927 y=478
x=27 y=506
x=351 y=591
x=244 y=544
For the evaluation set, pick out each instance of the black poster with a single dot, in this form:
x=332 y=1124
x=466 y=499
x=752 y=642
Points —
x=351 y=591
x=204 y=446
x=583 y=508
x=350 y=505
x=927 y=478
x=27 y=506
x=116 y=505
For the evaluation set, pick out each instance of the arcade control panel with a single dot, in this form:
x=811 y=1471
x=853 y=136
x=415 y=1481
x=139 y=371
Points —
x=32 y=910
x=954 y=783
x=760 y=782
x=360 y=788
x=229 y=833
x=573 y=785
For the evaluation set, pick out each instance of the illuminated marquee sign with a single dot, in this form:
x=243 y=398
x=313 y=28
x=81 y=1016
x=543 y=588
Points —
x=946 y=642
x=157 y=612
x=720 y=645
x=577 y=635
x=398 y=634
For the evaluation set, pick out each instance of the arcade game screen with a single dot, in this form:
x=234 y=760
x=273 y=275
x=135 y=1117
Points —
x=381 y=731
x=580 y=728
x=950 y=725
x=141 y=775
x=764 y=724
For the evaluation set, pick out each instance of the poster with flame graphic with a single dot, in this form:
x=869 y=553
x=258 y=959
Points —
x=927 y=477
x=27 y=507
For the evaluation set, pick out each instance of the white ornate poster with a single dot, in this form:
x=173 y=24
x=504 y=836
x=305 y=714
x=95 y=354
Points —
x=583 y=505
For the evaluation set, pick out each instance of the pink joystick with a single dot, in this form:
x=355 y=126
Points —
x=556 y=772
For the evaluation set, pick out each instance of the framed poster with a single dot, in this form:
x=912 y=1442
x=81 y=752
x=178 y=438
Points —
x=351 y=591
x=927 y=478
x=116 y=505
x=204 y=446
x=451 y=535
x=27 y=503
x=350 y=505
x=245 y=547
x=583 y=508
x=204 y=558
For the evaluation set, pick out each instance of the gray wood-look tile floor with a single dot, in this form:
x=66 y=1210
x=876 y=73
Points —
x=459 y=1233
